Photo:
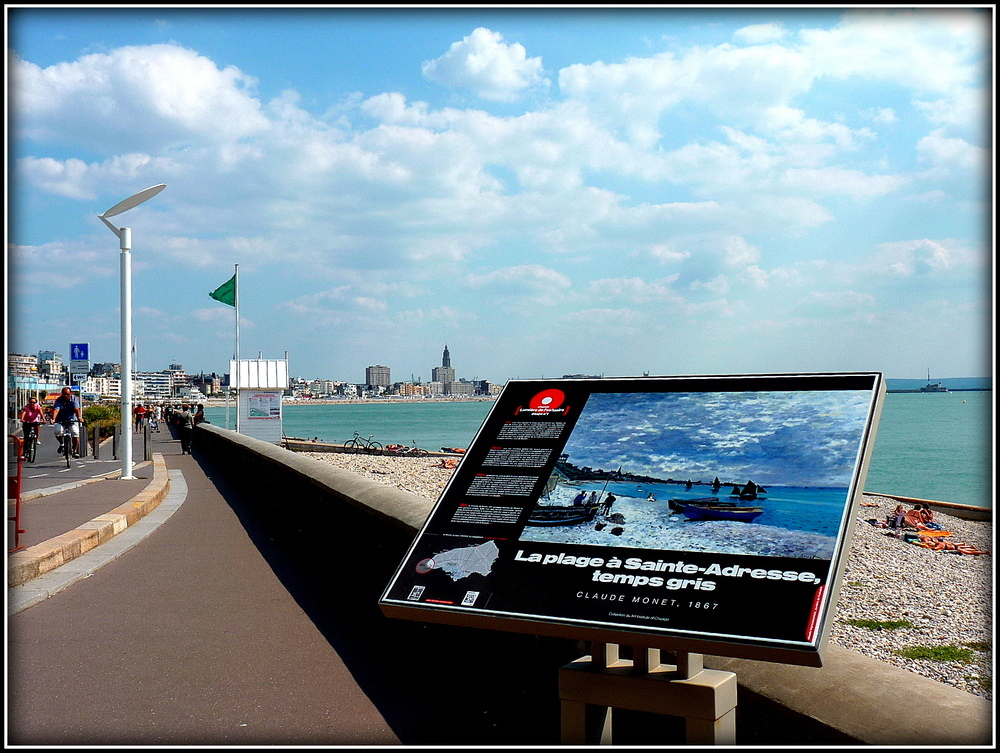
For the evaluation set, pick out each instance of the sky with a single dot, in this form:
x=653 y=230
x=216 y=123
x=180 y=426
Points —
x=545 y=191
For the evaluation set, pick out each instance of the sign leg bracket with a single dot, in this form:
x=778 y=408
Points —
x=592 y=686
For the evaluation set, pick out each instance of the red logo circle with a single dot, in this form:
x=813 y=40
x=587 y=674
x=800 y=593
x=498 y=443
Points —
x=547 y=399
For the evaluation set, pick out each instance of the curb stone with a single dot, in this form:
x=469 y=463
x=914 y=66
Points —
x=39 y=559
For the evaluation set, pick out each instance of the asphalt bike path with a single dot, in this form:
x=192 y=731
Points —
x=176 y=631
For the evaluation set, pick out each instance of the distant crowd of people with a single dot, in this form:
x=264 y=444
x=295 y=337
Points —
x=183 y=417
x=67 y=416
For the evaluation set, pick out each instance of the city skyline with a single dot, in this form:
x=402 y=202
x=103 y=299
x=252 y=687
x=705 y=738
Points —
x=374 y=369
x=549 y=191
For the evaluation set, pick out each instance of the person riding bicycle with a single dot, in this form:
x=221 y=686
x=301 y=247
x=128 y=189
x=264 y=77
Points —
x=32 y=417
x=67 y=416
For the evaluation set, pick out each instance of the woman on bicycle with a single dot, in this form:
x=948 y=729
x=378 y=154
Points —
x=66 y=413
x=32 y=417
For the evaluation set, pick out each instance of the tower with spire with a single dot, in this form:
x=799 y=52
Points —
x=443 y=373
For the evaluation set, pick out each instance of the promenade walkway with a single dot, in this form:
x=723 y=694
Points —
x=176 y=630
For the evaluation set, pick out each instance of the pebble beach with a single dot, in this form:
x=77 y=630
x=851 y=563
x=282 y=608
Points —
x=930 y=599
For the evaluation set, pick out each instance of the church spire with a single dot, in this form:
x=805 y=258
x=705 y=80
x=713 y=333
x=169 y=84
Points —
x=446 y=358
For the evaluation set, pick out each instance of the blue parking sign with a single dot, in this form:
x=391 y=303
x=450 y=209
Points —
x=79 y=351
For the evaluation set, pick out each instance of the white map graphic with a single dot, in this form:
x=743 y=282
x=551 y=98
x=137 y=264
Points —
x=461 y=563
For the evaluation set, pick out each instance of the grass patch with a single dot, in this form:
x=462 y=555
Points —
x=978 y=646
x=938 y=653
x=879 y=624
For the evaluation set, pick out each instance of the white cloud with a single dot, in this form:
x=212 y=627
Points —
x=486 y=65
x=916 y=257
x=665 y=254
x=929 y=52
x=522 y=283
x=881 y=115
x=840 y=181
x=737 y=252
x=952 y=154
x=634 y=289
x=760 y=33
x=136 y=98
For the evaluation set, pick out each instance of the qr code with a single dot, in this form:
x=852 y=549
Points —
x=470 y=598
x=415 y=593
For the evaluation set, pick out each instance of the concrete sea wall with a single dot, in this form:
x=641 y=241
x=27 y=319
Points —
x=357 y=531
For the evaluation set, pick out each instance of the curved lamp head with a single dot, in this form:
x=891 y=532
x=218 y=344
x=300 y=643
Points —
x=132 y=201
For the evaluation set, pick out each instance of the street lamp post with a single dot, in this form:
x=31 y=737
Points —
x=125 y=243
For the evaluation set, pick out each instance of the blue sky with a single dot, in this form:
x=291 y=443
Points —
x=781 y=438
x=547 y=192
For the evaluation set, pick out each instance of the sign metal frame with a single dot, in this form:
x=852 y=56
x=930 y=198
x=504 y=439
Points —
x=656 y=575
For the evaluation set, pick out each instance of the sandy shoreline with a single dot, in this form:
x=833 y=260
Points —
x=214 y=402
x=945 y=599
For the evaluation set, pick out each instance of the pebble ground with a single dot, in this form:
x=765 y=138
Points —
x=941 y=599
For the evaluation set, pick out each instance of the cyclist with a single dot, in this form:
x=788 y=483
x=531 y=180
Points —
x=68 y=417
x=32 y=417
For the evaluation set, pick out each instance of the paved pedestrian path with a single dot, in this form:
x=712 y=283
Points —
x=173 y=631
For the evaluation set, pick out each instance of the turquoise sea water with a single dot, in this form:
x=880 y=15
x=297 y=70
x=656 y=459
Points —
x=935 y=446
x=930 y=446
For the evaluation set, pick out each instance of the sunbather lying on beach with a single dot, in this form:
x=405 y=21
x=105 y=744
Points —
x=939 y=545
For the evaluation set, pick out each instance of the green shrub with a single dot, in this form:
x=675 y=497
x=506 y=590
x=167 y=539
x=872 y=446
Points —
x=105 y=417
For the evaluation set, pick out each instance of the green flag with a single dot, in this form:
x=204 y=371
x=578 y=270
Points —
x=226 y=292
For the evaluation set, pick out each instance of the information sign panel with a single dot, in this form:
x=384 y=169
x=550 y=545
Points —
x=704 y=513
x=79 y=351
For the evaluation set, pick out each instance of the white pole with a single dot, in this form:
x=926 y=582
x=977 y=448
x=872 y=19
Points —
x=125 y=242
x=237 y=302
x=125 y=234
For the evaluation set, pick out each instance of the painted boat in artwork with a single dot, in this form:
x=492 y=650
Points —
x=561 y=515
x=678 y=505
x=722 y=512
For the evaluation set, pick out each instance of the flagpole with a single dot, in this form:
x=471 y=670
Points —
x=237 y=302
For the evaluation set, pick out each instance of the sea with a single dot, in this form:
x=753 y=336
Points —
x=935 y=446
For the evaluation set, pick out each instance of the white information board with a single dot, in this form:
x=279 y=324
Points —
x=260 y=383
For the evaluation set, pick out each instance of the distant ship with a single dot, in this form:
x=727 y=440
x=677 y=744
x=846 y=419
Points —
x=936 y=387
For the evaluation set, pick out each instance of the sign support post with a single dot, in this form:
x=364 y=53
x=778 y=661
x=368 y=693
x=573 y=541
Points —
x=590 y=687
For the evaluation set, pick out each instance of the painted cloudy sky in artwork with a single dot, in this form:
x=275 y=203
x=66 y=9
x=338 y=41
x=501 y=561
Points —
x=780 y=438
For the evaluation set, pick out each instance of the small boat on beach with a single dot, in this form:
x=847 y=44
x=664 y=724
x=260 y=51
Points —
x=678 y=505
x=722 y=512
x=561 y=515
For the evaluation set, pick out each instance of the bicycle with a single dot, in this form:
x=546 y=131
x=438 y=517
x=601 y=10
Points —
x=360 y=444
x=30 y=443
x=415 y=451
x=403 y=450
x=66 y=441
